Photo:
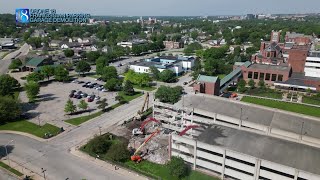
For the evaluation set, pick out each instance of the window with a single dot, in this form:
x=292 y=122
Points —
x=274 y=77
x=250 y=74
x=280 y=77
x=255 y=75
x=262 y=76
x=268 y=77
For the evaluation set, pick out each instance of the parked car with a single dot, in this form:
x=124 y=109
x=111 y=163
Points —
x=90 y=99
x=71 y=95
x=73 y=91
x=97 y=98
x=85 y=85
x=185 y=83
x=74 y=81
x=80 y=82
x=79 y=96
x=84 y=94
x=103 y=90
x=79 y=92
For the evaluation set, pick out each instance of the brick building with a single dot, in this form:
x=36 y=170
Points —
x=172 y=44
x=207 y=85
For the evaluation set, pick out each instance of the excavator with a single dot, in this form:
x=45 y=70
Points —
x=188 y=128
x=141 y=111
x=138 y=131
x=137 y=158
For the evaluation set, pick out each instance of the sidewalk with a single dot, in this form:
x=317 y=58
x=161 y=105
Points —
x=104 y=164
x=25 y=171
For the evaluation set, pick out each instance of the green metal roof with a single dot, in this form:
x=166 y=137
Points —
x=34 y=62
x=204 y=78
x=233 y=73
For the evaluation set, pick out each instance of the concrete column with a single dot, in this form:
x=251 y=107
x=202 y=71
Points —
x=195 y=155
x=153 y=110
x=223 y=163
x=257 y=169
x=170 y=146
x=296 y=174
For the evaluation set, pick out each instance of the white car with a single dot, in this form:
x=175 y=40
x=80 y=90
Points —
x=74 y=81
x=97 y=98
x=103 y=90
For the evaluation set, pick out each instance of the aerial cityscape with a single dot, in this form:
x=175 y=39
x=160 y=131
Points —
x=171 y=90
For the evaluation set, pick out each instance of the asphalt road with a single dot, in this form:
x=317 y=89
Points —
x=54 y=155
x=5 y=62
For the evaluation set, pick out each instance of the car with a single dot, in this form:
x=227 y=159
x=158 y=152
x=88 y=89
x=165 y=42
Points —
x=87 y=82
x=104 y=90
x=90 y=99
x=72 y=91
x=85 y=85
x=76 y=95
x=74 y=81
x=80 y=82
x=79 y=92
x=185 y=83
x=97 y=98
x=100 y=88
x=91 y=86
x=71 y=95
x=79 y=96
x=84 y=95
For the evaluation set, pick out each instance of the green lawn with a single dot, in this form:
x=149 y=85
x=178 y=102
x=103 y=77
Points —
x=5 y=166
x=269 y=93
x=31 y=128
x=221 y=76
x=129 y=98
x=311 y=100
x=151 y=88
x=80 y=120
x=297 y=108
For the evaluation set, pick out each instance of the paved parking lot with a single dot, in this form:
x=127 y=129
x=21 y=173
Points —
x=53 y=97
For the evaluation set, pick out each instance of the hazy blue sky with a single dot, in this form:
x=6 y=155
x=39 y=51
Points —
x=166 y=7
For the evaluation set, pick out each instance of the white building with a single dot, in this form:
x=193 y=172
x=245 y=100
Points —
x=131 y=43
x=312 y=66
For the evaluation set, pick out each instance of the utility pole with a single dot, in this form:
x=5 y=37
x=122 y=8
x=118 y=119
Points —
x=44 y=173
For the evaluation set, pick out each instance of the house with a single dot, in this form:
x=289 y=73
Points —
x=106 y=49
x=39 y=33
x=36 y=62
x=172 y=44
x=54 y=43
x=207 y=85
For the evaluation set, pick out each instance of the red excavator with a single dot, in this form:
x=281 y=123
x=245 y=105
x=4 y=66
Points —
x=138 y=131
x=137 y=158
x=187 y=128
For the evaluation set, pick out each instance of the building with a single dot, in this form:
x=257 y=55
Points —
x=236 y=140
x=54 y=43
x=36 y=62
x=172 y=44
x=176 y=64
x=130 y=44
x=7 y=43
x=207 y=85
x=297 y=38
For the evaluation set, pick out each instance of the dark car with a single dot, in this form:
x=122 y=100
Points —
x=80 y=82
x=71 y=95
x=79 y=92
x=73 y=91
x=85 y=85
x=226 y=95
x=76 y=95
x=90 y=99
x=91 y=86
x=185 y=83
x=79 y=96
x=84 y=95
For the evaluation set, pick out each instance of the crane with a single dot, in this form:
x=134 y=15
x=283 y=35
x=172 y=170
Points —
x=137 y=131
x=135 y=156
x=145 y=104
x=187 y=128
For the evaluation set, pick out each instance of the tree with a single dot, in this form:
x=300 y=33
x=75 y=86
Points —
x=155 y=72
x=15 y=64
x=120 y=99
x=83 y=67
x=192 y=48
x=7 y=85
x=128 y=88
x=112 y=84
x=68 y=52
x=167 y=76
x=35 y=76
x=83 y=105
x=103 y=104
x=101 y=62
x=99 y=145
x=118 y=152
x=177 y=167
x=92 y=56
x=194 y=34
x=47 y=71
x=136 y=50
x=61 y=74
x=70 y=107
x=32 y=89
x=35 y=42
x=252 y=84
x=168 y=94
x=242 y=85
x=108 y=73
x=9 y=109
x=261 y=84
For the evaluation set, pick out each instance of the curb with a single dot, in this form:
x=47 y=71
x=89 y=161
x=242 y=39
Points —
x=23 y=134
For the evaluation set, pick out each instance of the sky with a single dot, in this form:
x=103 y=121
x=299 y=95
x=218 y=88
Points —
x=167 y=7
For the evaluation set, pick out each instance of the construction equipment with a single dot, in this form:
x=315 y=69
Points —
x=137 y=158
x=141 y=111
x=187 y=128
x=138 y=131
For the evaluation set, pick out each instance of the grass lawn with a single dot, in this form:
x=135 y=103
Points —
x=297 y=108
x=269 y=93
x=311 y=100
x=5 y=166
x=151 y=88
x=80 y=120
x=129 y=98
x=31 y=128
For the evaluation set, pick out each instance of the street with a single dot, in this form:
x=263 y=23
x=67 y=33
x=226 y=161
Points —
x=55 y=156
x=5 y=62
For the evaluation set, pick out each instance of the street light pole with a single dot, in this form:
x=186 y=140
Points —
x=5 y=147
x=240 y=122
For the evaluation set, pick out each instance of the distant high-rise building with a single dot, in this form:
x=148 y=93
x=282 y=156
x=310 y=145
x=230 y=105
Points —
x=250 y=16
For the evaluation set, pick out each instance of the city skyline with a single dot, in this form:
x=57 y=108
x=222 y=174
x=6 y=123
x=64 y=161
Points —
x=168 y=8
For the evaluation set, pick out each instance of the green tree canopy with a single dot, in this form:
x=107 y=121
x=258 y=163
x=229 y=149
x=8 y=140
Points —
x=167 y=76
x=92 y=56
x=251 y=83
x=15 y=64
x=35 y=76
x=7 y=85
x=242 y=85
x=108 y=73
x=168 y=94
x=70 y=107
x=101 y=62
x=103 y=104
x=32 y=89
x=99 y=145
x=118 y=152
x=177 y=167
x=83 y=67
x=112 y=84
x=155 y=72
x=128 y=88
x=61 y=74
x=47 y=71
x=140 y=79
x=9 y=109
x=83 y=105
x=68 y=52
